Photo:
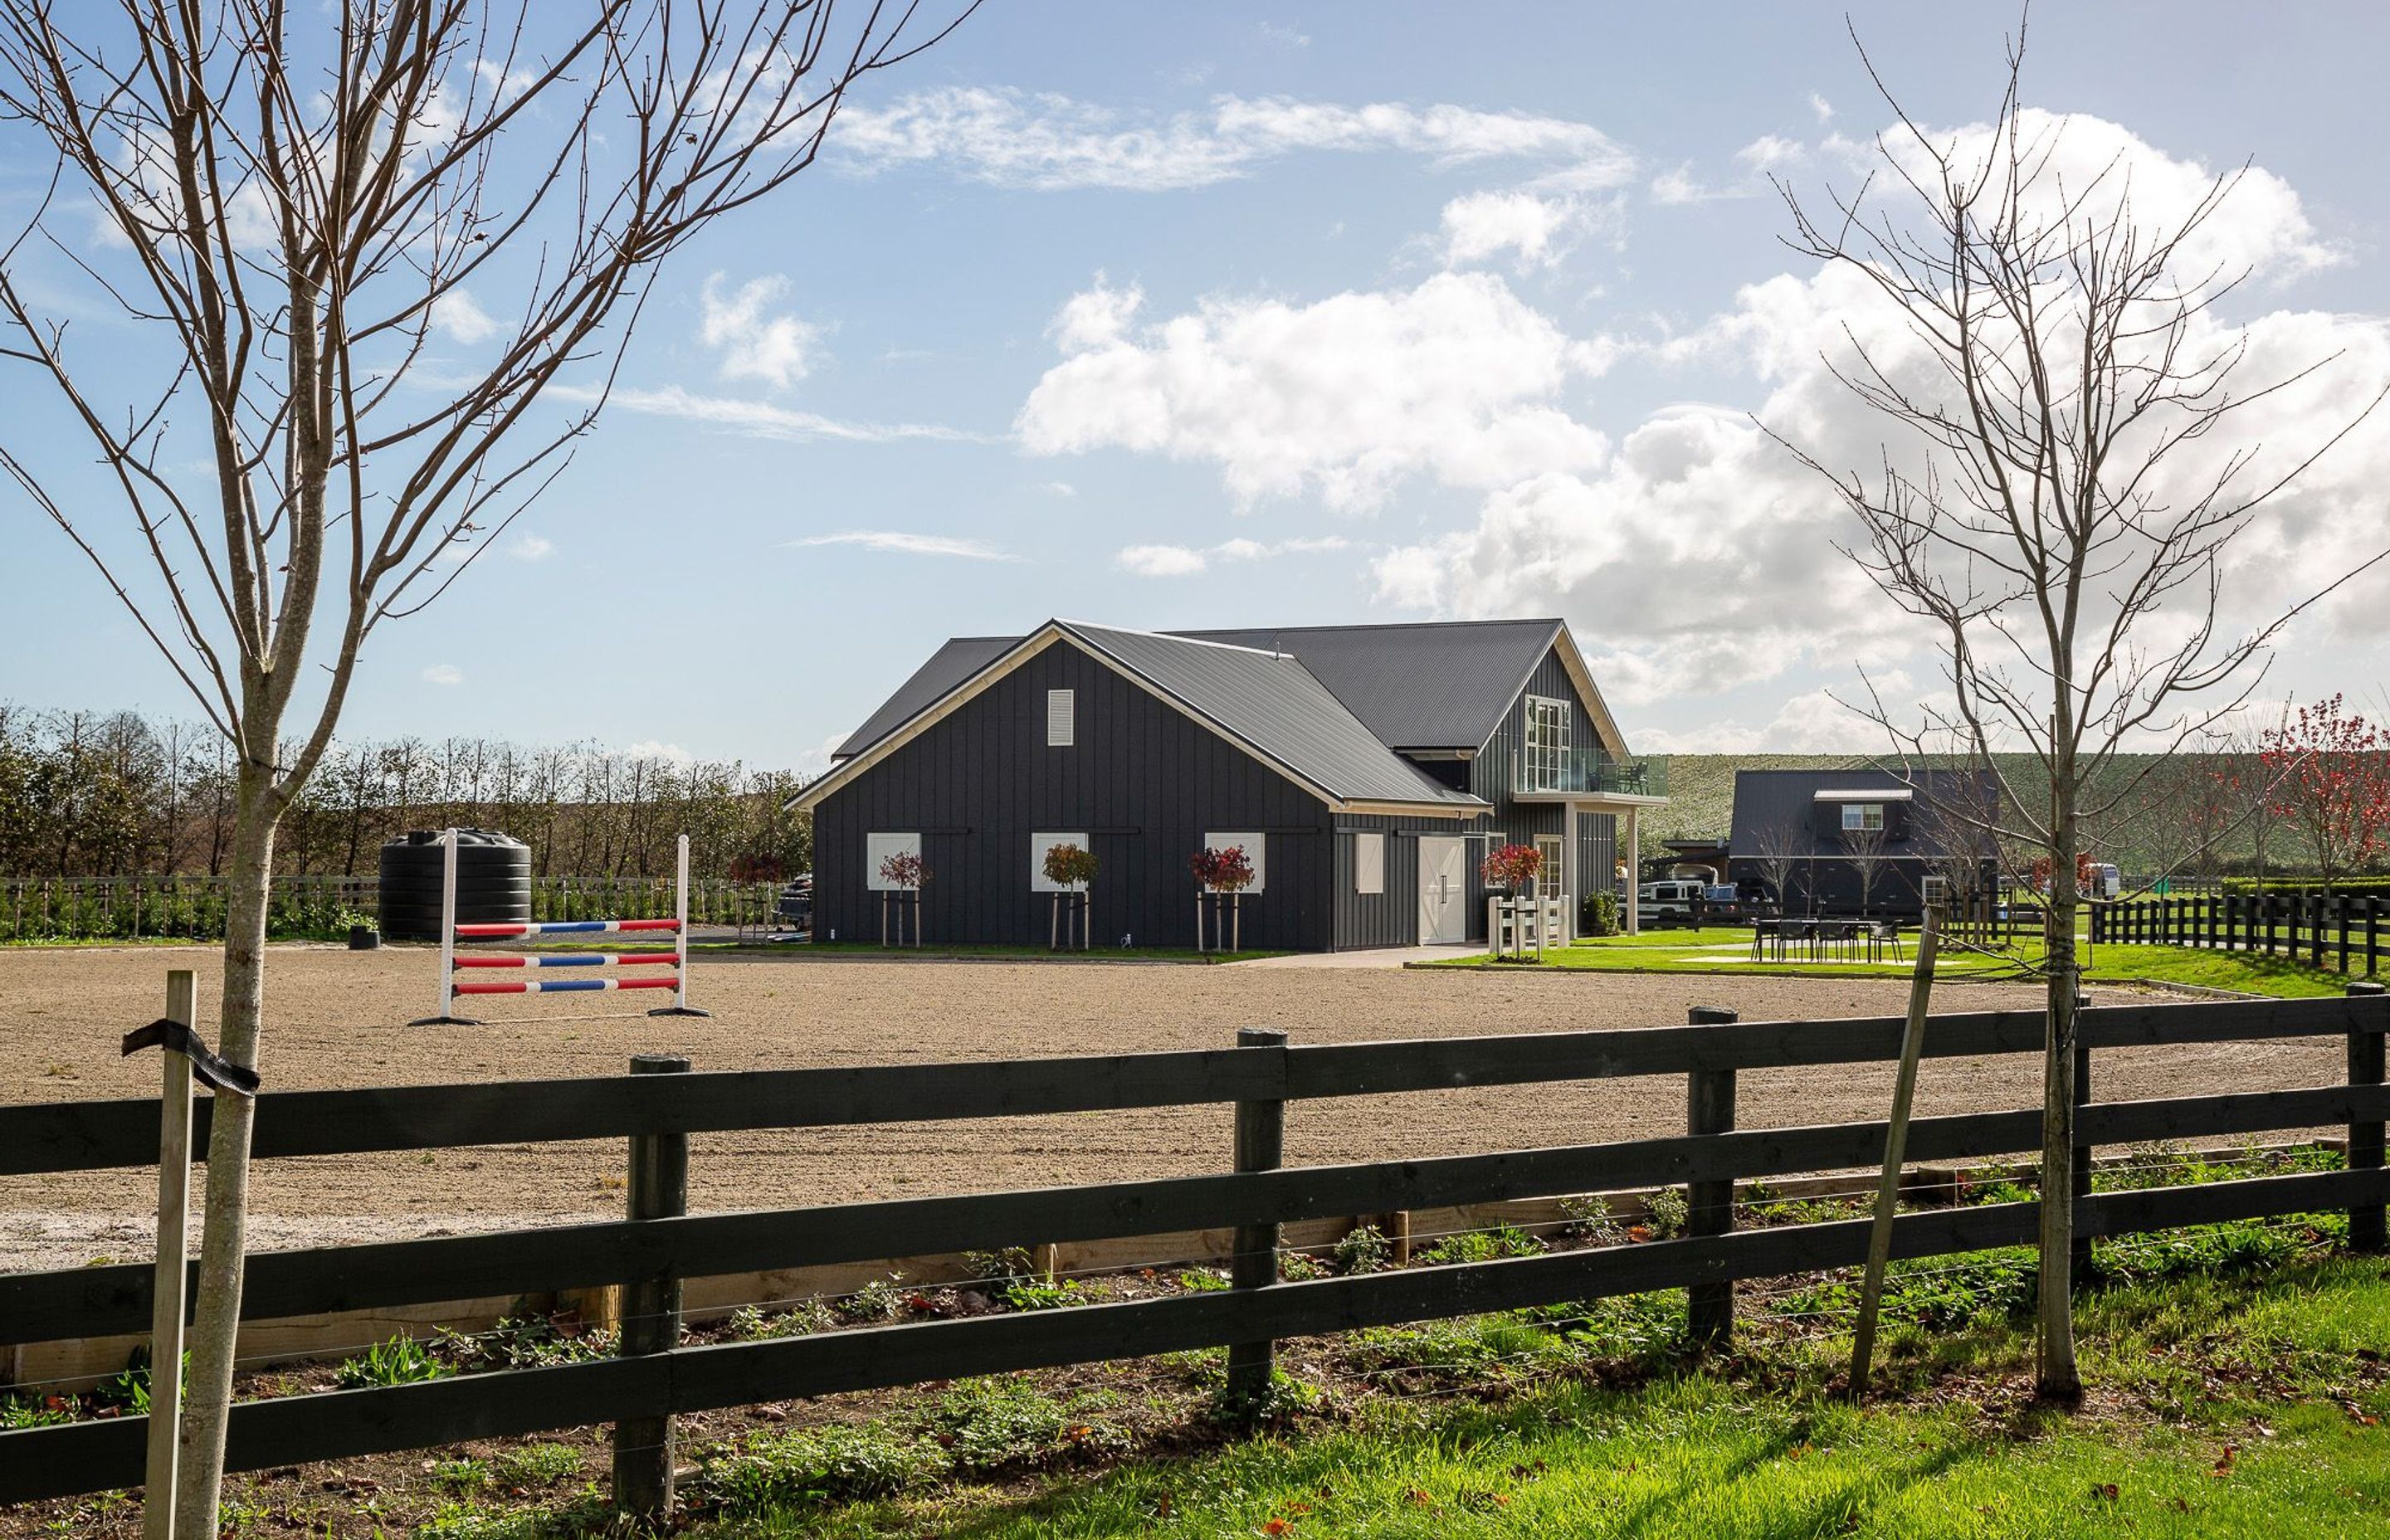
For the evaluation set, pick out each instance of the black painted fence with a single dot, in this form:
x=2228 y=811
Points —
x=653 y=1110
x=2340 y=933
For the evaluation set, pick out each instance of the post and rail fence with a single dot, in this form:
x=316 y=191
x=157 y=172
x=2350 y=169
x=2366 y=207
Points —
x=2337 y=932
x=658 y=1246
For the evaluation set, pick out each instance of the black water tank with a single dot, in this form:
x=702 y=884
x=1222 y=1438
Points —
x=493 y=882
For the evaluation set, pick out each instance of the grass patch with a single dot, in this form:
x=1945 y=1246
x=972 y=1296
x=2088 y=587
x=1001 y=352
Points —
x=983 y=951
x=2229 y=1404
x=1725 y=949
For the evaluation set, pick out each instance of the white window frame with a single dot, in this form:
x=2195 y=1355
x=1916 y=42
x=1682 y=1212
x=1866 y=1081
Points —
x=1061 y=718
x=1256 y=848
x=1855 y=817
x=1544 y=743
x=879 y=846
x=1368 y=862
x=1039 y=844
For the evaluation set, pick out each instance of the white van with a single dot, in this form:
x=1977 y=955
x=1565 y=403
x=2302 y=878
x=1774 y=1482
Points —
x=1669 y=903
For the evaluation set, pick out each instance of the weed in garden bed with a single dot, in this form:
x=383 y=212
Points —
x=537 y=1465
x=1364 y=1249
x=400 y=1361
x=1482 y=1246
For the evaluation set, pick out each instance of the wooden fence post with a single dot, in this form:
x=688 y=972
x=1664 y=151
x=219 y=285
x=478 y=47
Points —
x=1261 y=1145
x=2341 y=918
x=659 y=1189
x=2367 y=1227
x=173 y=1269
x=1709 y=1206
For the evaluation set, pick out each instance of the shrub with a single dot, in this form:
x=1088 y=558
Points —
x=1666 y=1212
x=1000 y=1266
x=1589 y=1219
x=881 y=1300
x=1597 y=915
x=1364 y=1249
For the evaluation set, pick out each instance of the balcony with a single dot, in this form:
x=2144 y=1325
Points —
x=1585 y=774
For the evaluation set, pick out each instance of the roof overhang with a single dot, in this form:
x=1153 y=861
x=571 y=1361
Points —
x=1037 y=641
x=1867 y=794
x=1591 y=801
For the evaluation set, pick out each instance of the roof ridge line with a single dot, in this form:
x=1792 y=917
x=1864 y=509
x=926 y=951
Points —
x=1171 y=636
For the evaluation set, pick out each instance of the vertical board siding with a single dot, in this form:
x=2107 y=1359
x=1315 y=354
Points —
x=1144 y=780
x=1388 y=919
x=1491 y=775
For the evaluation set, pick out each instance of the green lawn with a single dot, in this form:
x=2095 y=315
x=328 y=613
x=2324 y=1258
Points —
x=1718 y=949
x=2224 y=1408
x=933 y=950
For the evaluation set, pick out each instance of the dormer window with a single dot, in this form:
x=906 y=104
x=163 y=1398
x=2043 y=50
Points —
x=1862 y=817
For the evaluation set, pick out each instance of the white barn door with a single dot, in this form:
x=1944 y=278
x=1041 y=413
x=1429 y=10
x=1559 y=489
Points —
x=1443 y=890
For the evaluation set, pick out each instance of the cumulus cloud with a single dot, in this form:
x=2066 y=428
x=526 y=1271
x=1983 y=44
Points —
x=777 y=348
x=672 y=753
x=444 y=674
x=1541 y=230
x=1456 y=379
x=1187 y=560
x=1046 y=142
x=903 y=544
x=459 y=317
x=1823 y=108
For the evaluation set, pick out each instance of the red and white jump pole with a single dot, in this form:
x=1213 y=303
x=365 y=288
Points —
x=451 y=932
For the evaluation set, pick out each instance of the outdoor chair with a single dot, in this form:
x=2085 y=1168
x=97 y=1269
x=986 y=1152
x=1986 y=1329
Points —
x=1886 y=937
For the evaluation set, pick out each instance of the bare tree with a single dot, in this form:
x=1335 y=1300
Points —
x=1776 y=846
x=2059 y=467
x=1868 y=851
x=292 y=202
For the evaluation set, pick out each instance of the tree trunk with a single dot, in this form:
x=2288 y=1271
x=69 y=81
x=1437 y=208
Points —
x=2055 y=1374
x=218 y=1297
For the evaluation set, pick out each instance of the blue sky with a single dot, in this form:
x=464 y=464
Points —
x=1178 y=315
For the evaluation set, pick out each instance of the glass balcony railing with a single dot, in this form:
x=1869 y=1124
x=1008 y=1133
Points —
x=1586 y=775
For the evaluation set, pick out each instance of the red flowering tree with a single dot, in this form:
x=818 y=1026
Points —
x=2330 y=773
x=903 y=872
x=1512 y=866
x=1071 y=869
x=1220 y=872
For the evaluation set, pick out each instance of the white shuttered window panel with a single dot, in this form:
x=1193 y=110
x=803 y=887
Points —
x=1061 y=714
x=1369 y=862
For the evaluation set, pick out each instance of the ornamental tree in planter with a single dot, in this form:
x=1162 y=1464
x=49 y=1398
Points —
x=1071 y=869
x=1221 y=873
x=904 y=873
x=1511 y=868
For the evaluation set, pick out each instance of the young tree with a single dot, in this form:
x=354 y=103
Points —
x=1868 y=851
x=2059 y=466
x=1775 y=847
x=293 y=200
x=2328 y=770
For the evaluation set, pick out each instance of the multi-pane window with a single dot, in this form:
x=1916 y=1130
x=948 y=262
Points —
x=1546 y=753
x=1862 y=817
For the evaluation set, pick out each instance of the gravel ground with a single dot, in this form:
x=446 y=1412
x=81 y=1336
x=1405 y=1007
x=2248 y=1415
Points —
x=336 y=1020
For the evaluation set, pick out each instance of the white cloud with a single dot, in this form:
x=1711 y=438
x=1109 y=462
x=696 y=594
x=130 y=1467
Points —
x=1542 y=230
x=1698 y=557
x=1061 y=488
x=1284 y=37
x=1679 y=187
x=901 y=543
x=1824 y=109
x=1772 y=153
x=456 y=316
x=531 y=547
x=753 y=345
x=1187 y=560
x=672 y=753
x=760 y=419
x=1046 y=142
x=444 y=674
x=1456 y=379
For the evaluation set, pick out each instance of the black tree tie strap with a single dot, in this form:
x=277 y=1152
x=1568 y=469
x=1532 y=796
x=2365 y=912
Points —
x=206 y=1063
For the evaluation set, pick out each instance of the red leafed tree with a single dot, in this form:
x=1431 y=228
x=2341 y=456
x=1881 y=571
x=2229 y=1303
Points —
x=2329 y=771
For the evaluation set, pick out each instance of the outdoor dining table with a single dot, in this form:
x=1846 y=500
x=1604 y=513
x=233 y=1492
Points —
x=1825 y=939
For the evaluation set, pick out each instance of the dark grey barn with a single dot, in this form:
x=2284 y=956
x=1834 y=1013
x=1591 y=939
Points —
x=1796 y=833
x=1366 y=769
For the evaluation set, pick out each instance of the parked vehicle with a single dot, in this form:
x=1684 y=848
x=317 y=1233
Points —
x=1670 y=903
x=794 y=909
x=1723 y=903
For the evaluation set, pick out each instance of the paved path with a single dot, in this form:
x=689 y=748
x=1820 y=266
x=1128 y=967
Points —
x=1375 y=957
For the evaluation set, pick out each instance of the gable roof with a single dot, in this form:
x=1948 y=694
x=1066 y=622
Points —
x=1266 y=703
x=1272 y=701
x=1440 y=685
x=1766 y=800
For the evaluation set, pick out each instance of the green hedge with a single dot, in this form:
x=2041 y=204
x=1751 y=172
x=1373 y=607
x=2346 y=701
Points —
x=2369 y=884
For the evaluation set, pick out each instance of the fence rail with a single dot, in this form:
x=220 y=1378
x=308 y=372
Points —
x=658 y=1110
x=192 y=908
x=2341 y=933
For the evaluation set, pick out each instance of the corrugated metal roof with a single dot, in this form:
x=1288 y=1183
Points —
x=947 y=667
x=1784 y=800
x=1438 y=684
x=1274 y=702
